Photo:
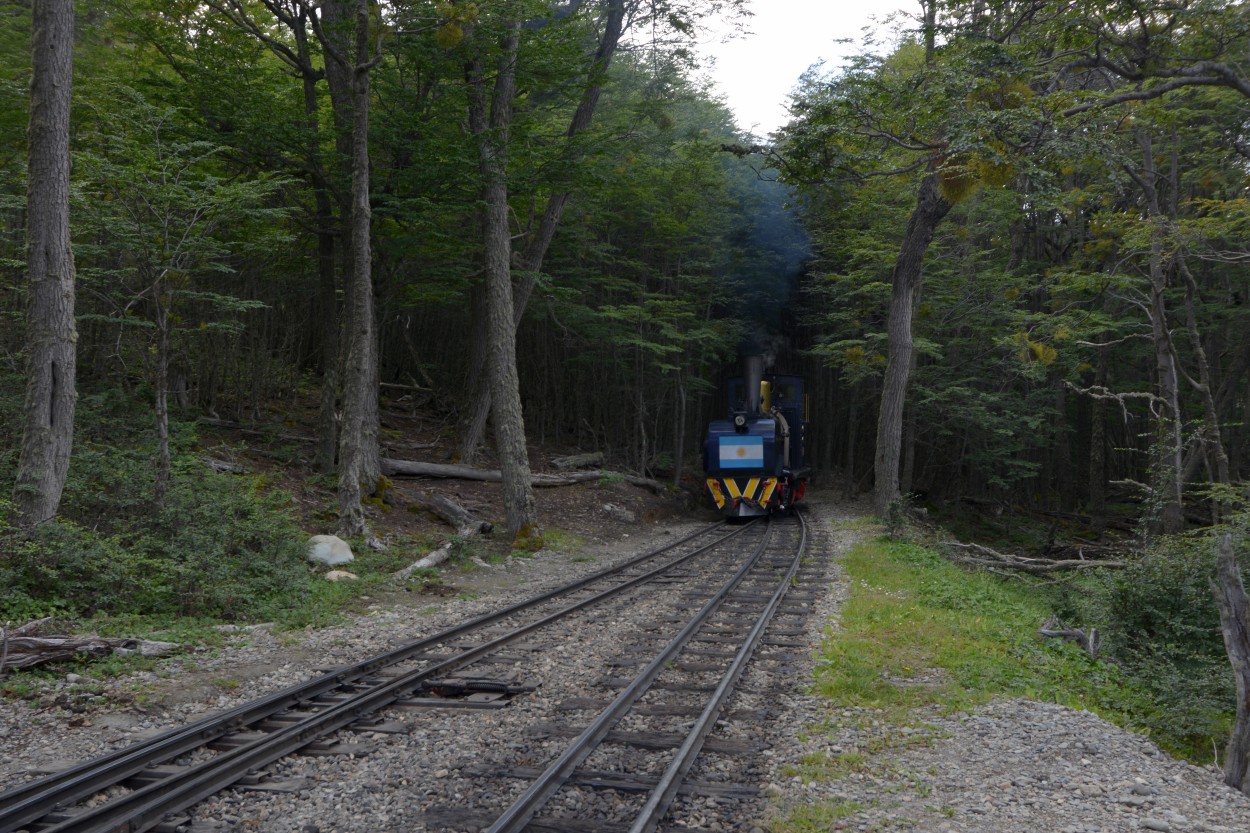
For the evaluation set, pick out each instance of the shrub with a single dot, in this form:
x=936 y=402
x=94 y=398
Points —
x=221 y=546
x=1160 y=623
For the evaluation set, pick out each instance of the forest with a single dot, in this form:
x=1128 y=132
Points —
x=1007 y=245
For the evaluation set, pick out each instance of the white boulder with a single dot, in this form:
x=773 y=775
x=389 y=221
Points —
x=329 y=550
x=341 y=575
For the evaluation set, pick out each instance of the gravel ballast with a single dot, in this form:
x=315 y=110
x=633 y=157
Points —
x=1014 y=765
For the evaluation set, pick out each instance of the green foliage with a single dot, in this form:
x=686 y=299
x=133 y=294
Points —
x=816 y=818
x=1159 y=622
x=896 y=516
x=222 y=546
x=918 y=632
x=561 y=540
x=215 y=550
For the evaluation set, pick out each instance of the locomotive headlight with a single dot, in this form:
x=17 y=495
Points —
x=740 y=422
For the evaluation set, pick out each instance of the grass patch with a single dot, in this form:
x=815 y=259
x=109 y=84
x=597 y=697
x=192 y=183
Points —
x=920 y=635
x=826 y=766
x=561 y=540
x=858 y=523
x=816 y=818
x=918 y=632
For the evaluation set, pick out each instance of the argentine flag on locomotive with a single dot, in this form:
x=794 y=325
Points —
x=741 y=452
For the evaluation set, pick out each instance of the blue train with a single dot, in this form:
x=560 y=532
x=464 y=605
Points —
x=756 y=461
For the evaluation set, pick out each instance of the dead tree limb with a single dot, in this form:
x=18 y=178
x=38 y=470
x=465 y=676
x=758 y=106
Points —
x=1089 y=641
x=408 y=468
x=224 y=466
x=431 y=559
x=982 y=556
x=27 y=651
x=577 y=461
x=448 y=510
x=466 y=523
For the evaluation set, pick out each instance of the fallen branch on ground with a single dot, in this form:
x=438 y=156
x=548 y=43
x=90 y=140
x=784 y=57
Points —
x=1089 y=642
x=431 y=559
x=23 y=649
x=577 y=461
x=446 y=509
x=408 y=468
x=466 y=523
x=223 y=466
x=982 y=556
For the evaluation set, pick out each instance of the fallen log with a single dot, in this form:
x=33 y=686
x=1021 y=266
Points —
x=224 y=466
x=25 y=651
x=577 y=461
x=465 y=522
x=409 y=468
x=431 y=559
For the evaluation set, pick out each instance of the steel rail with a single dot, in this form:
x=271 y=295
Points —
x=148 y=805
x=518 y=815
x=661 y=797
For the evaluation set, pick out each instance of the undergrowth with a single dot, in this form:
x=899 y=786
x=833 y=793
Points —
x=221 y=548
x=919 y=632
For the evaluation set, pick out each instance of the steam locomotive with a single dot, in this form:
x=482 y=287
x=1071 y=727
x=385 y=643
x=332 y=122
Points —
x=755 y=461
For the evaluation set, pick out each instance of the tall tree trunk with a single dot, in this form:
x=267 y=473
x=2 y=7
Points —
x=907 y=475
x=335 y=32
x=1166 y=477
x=328 y=319
x=48 y=414
x=161 y=299
x=359 y=465
x=327 y=322
x=679 y=428
x=330 y=322
x=473 y=424
x=1212 y=434
x=1230 y=595
x=930 y=208
x=1098 y=446
x=1065 y=482
x=518 y=495
x=852 y=440
x=530 y=263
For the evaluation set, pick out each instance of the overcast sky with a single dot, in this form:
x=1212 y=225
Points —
x=757 y=73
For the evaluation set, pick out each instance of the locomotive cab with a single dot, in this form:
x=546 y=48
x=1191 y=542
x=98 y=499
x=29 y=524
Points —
x=755 y=459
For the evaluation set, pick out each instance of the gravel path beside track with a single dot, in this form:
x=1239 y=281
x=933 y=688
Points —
x=1012 y=766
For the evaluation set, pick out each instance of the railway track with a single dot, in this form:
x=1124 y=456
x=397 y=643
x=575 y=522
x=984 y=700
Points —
x=150 y=786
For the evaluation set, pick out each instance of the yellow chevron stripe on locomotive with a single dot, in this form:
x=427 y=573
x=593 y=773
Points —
x=735 y=491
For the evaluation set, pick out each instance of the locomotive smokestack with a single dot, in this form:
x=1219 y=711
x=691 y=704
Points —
x=753 y=373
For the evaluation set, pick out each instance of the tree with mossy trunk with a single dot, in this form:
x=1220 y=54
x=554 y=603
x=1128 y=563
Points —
x=50 y=333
